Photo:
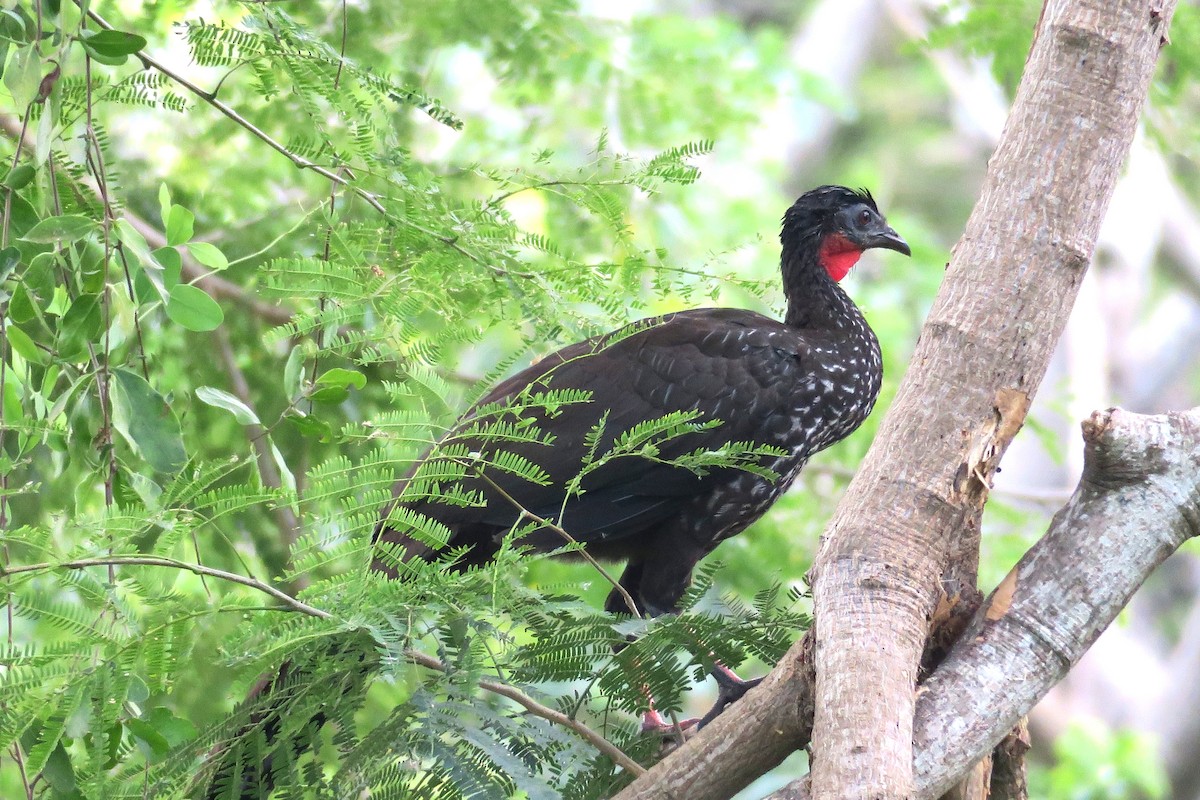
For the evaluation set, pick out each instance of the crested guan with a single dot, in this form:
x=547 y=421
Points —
x=799 y=385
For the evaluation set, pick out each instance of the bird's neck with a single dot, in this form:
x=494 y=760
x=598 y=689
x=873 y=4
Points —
x=814 y=299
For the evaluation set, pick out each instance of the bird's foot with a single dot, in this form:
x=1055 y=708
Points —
x=655 y=724
x=730 y=689
x=672 y=735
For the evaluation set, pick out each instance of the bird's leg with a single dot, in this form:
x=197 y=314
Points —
x=654 y=722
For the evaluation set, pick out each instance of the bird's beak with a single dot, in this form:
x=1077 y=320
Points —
x=888 y=239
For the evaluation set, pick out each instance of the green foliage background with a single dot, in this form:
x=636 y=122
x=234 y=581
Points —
x=257 y=257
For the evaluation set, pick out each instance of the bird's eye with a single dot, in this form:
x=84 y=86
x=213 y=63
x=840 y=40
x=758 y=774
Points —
x=863 y=217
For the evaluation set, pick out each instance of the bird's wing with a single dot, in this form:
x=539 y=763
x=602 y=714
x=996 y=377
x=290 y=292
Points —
x=732 y=366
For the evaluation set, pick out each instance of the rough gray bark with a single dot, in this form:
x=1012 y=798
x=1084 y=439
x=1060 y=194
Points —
x=1137 y=502
x=909 y=523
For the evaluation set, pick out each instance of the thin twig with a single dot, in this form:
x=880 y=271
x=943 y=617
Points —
x=212 y=100
x=94 y=158
x=216 y=286
x=540 y=710
x=527 y=514
x=158 y=561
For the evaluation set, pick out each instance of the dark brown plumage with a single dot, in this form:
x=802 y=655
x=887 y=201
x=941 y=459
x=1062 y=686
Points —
x=799 y=385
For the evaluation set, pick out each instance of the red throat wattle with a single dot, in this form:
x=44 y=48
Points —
x=838 y=254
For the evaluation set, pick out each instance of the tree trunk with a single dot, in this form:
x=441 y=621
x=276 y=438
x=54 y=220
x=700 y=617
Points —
x=908 y=530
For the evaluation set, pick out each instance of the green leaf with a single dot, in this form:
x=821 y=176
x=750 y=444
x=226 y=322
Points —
x=10 y=258
x=222 y=399
x=45 y=132
x=20 y=341
x=111 y=47
x=285 y=472
x=12 y=398
x=144 y=419
x=20 y=177
x=23 y=76
x=58 y=770
x=164 y=202
x=334 y=385
x=180 y=225
x=312 y=427
x=293 y=373
x=138 y=691
x=172 y=728
x=66 y=229
x=208 y=255
x=193 y=309
x=145 y=734
x=114 y=43
x=80 y=325
x=172 y=264
x=151 y=272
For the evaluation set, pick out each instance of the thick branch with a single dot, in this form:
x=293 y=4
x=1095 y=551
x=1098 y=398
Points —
x=1138 y=501
x=752 y=737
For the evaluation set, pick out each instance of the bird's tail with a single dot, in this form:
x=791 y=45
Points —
x=277 y=723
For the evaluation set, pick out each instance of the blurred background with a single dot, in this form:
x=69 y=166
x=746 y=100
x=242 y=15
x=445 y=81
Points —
x=904 y=97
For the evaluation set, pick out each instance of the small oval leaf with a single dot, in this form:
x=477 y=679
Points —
x=20 y=177
x=334 y=386
x=23 y=344
x=193 y=309
x=113 y=44
x=208 y=255
x=80 y=325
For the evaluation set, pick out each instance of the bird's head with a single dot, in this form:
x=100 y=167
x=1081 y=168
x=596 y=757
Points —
x=836 y=224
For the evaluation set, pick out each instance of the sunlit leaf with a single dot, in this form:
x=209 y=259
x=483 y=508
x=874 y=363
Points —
x=114 y=43
x=180 y=225
x=208 y=255
x=334 y=385
x=222 y=399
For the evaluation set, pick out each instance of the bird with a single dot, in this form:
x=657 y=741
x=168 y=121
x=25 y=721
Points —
x=791 y=387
